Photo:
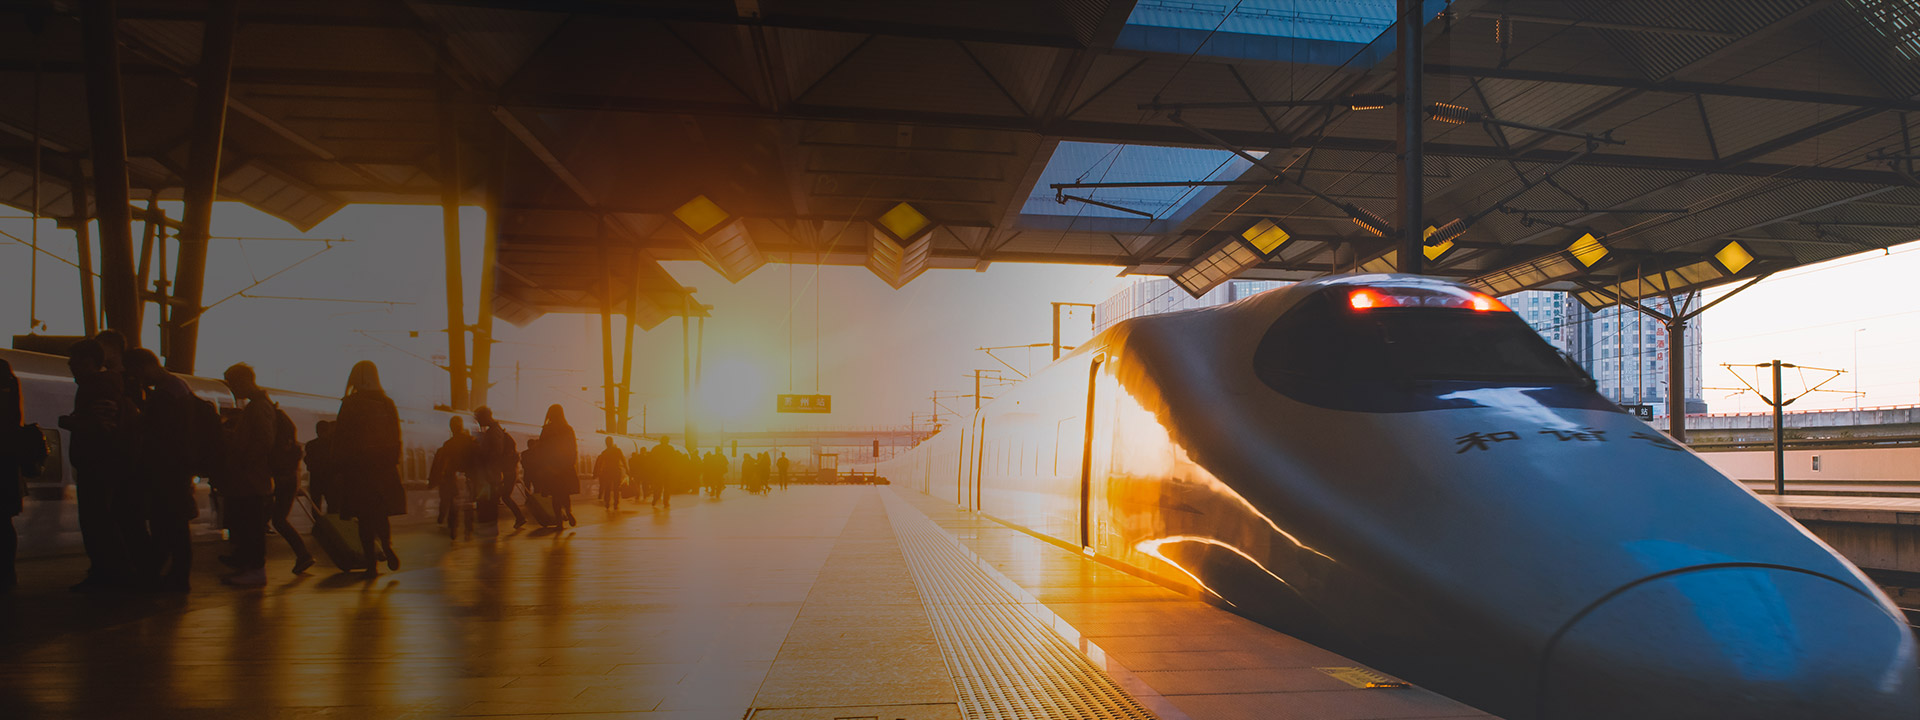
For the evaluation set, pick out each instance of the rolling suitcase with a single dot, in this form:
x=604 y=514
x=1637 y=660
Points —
x=339 y=538
x=540 y=507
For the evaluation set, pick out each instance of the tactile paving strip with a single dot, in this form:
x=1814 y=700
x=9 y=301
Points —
x=1006 y=664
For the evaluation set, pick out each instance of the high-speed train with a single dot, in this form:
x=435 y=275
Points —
x=1400 y=470
x=49 y=525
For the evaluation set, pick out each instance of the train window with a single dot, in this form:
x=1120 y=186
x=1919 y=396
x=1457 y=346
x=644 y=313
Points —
x=1334 y=351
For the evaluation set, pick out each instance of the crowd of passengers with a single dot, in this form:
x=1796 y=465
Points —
x=139 y=436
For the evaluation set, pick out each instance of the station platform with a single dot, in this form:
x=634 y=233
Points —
x=813 y=603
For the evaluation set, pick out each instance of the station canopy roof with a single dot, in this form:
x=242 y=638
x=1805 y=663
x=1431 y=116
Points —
x=1754 y=135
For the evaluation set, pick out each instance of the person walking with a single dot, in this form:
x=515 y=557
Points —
x=23 y=451
x=367 y=443
x=286 y=487
x=246 y=485
x=782 y=465
x=639 y=475
x=322 y=469
x=495 y=460
x=664 y=468
x=452 y=466
x=609 y=470
x=99 y=460
x=556 y=477
x=164 y=468
x=716 y=471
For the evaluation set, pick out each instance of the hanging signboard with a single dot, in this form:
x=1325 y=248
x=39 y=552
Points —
x=806 y=403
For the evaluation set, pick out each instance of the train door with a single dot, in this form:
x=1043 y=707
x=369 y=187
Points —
x=1086 y=455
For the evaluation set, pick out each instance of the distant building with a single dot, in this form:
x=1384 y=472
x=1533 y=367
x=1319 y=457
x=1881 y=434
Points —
x=1624 y=351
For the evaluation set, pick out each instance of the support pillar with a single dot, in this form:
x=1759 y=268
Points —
x=202 y=181
x=625 y=415
x=83 y=238
x=107 y=120
x=608 y=408
x=150 y=230
x=489 y=259
x=1411 y=190
x=450 y=229
x=686 y=374
x=1677 y=379
x=1779 y=435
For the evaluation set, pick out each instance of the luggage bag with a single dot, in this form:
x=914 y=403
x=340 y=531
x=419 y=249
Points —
x=339 y=538
x=540 y=507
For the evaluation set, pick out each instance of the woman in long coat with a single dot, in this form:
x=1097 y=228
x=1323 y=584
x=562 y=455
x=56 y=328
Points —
x=366 y=447
x=557 y=478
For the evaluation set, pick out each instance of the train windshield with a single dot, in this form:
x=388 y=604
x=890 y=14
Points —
x=1344 y=341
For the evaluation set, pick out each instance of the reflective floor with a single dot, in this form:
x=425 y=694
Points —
x=796 y=605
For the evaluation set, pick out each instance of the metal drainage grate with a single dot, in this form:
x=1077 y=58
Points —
x=1006 y=664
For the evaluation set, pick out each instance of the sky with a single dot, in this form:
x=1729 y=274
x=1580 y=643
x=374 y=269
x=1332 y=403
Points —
x=882 y=353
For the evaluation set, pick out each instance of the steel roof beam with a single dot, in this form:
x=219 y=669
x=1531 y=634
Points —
x=725 y=14
x=1677 y=86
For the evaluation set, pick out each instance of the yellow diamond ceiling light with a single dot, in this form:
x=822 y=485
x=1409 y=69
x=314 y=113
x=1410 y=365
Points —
x=1266 y=236
x=904 y=222
x=1734 y=257
x=700 y=215
x=1588 y=250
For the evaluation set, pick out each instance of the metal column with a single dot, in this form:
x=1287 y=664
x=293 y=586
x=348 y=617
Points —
x=450 y=229
x=489 y=258
x=1779 y=435
x=107 y=117
x=625 y=400
x=609 y=410
x=686 y=373
x=1412 y=163
x=202 y=181
x=1677 y=378
x=83 y=238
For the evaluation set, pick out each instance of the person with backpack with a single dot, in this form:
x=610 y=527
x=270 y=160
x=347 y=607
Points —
x=246 y=485
x=494 y=460
x=164 y=464
x=368 y=447
x=286 y=486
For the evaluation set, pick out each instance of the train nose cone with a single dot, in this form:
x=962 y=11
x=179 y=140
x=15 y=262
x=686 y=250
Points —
x=1737 y=642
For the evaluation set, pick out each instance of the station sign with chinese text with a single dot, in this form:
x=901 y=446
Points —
x=806 y=403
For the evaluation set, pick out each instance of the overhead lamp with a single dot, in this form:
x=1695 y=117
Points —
x=700 y=215
x=719 y=239
x=1266 y=236
x=1588 y=250
x=903 y=223
x=1733 y=258
x=901 y=245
